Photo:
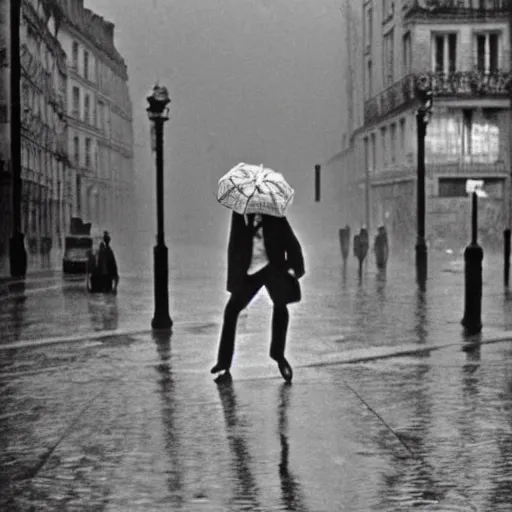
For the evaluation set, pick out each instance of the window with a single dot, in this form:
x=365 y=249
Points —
x=373 y=140
x=403 y=127
x=87 y=109
x=74 y=56
x=406 y=53
x=76 y=150
x=388 y=9
x=86 y=65
x=76 y=102
x=444 y=53
x=469 y=135
x=452 y=187
x=487 y=52
x=368 y=27
x=393 y=142
x=99 y=115
x=368 y=80
x=456 y=187
x=88 y=161
x=388 y=58
x=366 y=154
x=383 y=146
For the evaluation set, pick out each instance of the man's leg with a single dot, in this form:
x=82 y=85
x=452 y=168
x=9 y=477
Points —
x=237 y=302
x=280 y=319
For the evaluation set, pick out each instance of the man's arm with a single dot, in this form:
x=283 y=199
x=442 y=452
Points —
x=294 y=255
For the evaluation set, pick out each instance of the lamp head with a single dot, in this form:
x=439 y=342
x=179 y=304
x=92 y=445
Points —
x=158 y=101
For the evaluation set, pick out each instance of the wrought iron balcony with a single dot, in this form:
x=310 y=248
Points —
x=456 y=8
x=398 y=95
x=468 y=84
x=460 y=84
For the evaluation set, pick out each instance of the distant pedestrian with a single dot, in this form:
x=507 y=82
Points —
x=262 y=251
x=381 y=248
x=110 y=273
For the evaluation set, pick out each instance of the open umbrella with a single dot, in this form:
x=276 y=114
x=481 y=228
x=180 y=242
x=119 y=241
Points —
x=255 y=189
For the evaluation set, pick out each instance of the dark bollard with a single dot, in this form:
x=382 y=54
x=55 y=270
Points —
x=381 y=248
x=506 y=237
x=344 y=235
x=473 y=256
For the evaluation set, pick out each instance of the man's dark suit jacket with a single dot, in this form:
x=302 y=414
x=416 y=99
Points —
x=283 y=249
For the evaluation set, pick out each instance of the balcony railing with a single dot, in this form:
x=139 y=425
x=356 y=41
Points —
x=457 y=8
x=398 y=95
x=460 y=84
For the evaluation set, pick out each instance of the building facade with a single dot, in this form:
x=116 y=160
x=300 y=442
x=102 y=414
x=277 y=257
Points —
x=461 y=49
x=76 y=138
x=45 y=203
x=100 y=132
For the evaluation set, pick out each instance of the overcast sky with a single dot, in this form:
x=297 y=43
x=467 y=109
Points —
x=250 y=80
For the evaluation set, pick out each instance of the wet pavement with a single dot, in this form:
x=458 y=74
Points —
x=98 y=413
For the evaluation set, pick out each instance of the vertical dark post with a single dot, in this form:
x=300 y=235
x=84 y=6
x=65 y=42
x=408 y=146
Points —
x=424 y=92
x=506 y=240
x=421 y=245
x=157 y=113
x=17 y=252
x=317 y=183
x=159 y=134
x=473 y=256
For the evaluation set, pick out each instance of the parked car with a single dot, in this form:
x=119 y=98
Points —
x=77 y=249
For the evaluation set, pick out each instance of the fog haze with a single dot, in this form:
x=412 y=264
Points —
x=250 y=80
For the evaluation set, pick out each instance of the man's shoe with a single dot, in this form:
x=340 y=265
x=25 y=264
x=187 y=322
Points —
x=223 y=378
x=285 y=369
x=219 y=368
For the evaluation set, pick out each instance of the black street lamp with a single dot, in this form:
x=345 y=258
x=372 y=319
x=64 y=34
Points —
x=424 y=94
x=158 y=112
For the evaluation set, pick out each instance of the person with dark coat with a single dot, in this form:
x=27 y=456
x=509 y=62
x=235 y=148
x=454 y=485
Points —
x=262 y=251
x=110 y=273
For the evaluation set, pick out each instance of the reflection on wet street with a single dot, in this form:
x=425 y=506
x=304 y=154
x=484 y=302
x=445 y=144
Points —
x=131 y=420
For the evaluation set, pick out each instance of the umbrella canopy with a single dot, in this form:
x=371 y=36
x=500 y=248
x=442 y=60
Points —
x=255 y=189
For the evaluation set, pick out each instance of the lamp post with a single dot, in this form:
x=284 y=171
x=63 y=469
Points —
x=158 y=113
x=424 y=94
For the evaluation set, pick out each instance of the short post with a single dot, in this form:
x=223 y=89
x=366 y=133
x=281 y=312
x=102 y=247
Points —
x=473 y=256
x=344 y=235
x=506 y=240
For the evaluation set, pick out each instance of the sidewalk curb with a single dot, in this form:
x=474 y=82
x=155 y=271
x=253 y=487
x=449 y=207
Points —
x=381 y=353
x=411 y=350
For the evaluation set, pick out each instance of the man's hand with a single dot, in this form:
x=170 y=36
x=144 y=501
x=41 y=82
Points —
x=292 y=272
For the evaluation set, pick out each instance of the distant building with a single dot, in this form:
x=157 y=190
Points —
x=45 y=204
x=100 y=132
x=462 y=50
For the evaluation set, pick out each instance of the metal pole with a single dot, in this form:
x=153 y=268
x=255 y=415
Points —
x=159 y=133
x=161 y=318
x=17 y=253
x=421 y=246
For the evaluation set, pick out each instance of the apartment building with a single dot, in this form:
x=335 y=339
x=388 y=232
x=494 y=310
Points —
x=100 y=134
x=45 y=201
x=461 y=49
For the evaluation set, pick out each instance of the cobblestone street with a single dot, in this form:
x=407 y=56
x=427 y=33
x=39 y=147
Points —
x=98 y=413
